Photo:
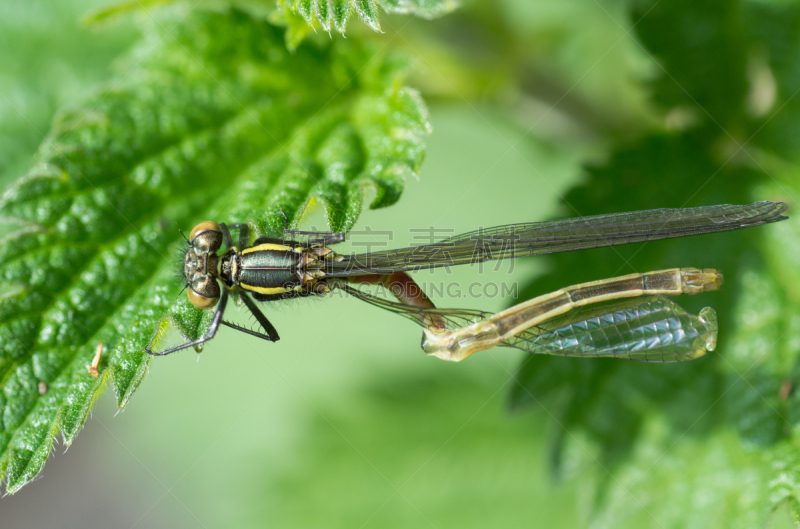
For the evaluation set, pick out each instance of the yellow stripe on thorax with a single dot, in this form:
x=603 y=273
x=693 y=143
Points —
x=267 y=246
x=263 y=290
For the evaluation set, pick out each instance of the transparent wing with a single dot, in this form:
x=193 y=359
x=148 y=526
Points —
x=452 y=318
x=650 y=329
x=647 y=329
x=564 y=235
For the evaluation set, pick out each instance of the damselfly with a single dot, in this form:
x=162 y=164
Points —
x=652 y=328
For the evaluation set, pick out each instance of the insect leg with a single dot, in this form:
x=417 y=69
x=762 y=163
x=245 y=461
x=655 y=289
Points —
x=332 y=238
x=212 y=329
x=272 y=333
x=285 y=221
x=316 y=238
x=323 y=238
x=226 y=235
x=244 y=234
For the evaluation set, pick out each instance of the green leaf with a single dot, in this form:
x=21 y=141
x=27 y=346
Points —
x=330 y=15
x=785 y=472
x=727 y=67
x=703 y=56
x=48 y=63
x=296 y=26
x=760 y=358
x=368 y=12
x=420 y=8
x=123 y=7
x=775 y=79
x=711 y=483
x=215 y=120
x=333 y=14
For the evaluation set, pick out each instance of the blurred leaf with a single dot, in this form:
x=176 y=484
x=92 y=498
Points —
x=760 y=357
x=421 y=8
x=702 y=48
x=785 y=473
x=330 y=15
x=296 y=27
x=48 y=62
x=122 y=7
x=707 y=53
x=712 y=482
x=775 y=76
x=216 y=121
x=709 y=483
x=410 y=450
x=728 y=68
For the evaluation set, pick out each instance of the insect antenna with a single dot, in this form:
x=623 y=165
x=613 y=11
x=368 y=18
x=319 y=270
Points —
x=182 y=235
x=182 y=290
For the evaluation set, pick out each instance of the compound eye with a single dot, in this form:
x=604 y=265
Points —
x=204 y=226
x=206 y=236
x=204 y=292
x=199 y=301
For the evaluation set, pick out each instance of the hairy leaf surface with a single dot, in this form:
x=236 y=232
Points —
x=334 y=14
x=213 y=119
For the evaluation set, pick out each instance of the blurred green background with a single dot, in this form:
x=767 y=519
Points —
x=540 y=109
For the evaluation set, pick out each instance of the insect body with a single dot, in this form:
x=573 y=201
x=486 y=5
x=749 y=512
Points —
x=272 y=269
x=269 y=270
